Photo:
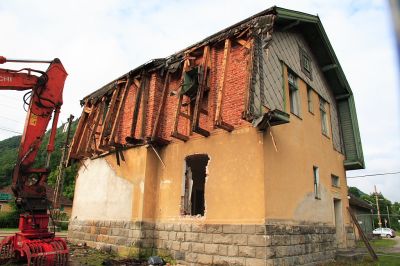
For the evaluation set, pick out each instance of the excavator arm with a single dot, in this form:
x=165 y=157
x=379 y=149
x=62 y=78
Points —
x=44 y=100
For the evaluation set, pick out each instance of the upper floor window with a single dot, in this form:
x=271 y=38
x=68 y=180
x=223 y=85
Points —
x=305 y=62
x=294 y=96
x=324 y=116
x=310 y=100
x=335 y=180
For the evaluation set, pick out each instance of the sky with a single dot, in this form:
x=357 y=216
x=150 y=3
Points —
x=98 y=41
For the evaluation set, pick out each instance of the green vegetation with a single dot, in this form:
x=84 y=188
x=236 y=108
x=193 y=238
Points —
x=10 y=219
x=384 y=206
x=8 y=156
x=379 y=243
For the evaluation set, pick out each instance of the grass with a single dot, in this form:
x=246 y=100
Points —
x=8 y=229
x=379 y=243
x=388 y=260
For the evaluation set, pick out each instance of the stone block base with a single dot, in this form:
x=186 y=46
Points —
x=212 y=244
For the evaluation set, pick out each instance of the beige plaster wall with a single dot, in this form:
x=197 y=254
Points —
x=100 y=194
x=289 y=182
x=234 y=185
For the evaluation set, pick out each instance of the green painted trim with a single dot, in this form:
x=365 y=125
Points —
x=356 y=131
x=283 y=86
x=287 y=14
x=283 y=13
x=295 y=15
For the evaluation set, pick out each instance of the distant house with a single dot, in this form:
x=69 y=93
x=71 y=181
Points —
x=232 y=151
x=363 y=212
x=7 y=196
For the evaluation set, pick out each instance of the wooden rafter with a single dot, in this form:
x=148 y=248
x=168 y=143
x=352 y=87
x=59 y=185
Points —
x=249 y=69
x=98 y=110
x=200 y=92
x=78 y=133
x=118 y=115
x=143 y=83
x=80 y=149
x=161 y=106
x=106 y=122
x=218 y=122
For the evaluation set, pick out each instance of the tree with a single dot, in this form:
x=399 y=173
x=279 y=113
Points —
x=8 y=156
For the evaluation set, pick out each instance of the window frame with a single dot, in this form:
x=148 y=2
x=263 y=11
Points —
x=294 y=94
x=335 y=177
x=316 y=179
x=305 y=62
x=324 y=116
x=310 y=101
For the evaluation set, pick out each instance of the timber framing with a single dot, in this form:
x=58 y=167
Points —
x=150 y=87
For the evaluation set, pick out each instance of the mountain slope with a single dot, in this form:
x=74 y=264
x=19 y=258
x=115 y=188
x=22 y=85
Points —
x=8 y=156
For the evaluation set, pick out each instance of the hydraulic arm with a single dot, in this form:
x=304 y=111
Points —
x=34 y=242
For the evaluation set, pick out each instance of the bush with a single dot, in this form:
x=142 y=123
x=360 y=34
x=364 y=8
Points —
x=9 y=219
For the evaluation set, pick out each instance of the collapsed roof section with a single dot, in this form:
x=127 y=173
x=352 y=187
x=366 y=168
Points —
x=205 y=87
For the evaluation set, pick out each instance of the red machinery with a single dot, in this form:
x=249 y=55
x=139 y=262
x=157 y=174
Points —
x=34 y=243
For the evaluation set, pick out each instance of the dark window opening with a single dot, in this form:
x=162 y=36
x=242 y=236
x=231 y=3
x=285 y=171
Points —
x=294 y=97
x=305 y=62
x=193 y=201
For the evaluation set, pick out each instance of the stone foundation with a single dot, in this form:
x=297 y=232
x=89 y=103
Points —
x=212 y=244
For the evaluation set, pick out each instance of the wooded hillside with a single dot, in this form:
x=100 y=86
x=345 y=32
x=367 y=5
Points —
x=8 y=155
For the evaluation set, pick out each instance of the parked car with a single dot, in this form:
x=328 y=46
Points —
x=385 y=232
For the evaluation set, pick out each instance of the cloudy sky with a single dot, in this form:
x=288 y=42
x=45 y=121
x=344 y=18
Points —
x=98 y=41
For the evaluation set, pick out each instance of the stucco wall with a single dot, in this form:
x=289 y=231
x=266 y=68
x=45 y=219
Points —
x=289 y=179
x=284 y=50
x=101 y=194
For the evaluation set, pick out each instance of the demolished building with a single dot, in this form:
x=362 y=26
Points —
x=231 y=151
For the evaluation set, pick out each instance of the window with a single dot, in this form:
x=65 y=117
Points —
x=324 y=116
x=305 y=62
x=335 y=181
x=192 y=202
x=309 y=100
x=294 y=94
x=316 y=182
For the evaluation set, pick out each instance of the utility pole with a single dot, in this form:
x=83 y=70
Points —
x=60 y=177
x=377 y=207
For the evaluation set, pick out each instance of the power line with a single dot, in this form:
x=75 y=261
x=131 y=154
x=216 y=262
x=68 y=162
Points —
x=9 y=130
x=10 y=119
x=388 y=173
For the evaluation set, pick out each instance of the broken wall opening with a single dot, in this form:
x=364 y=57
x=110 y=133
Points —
x=195 y=179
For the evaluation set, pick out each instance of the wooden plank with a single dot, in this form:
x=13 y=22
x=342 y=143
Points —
x=145 y=104
x=221 y=85
x=84 y=134
x=249 y=81
x=225 y=126
x=98 y=112
x=118 y=115
x=138 y=100
x=199 y=97
x=363 y=236
x=106 y=121
x=179 y=136
x=244 y=43
x=178 y=112
x=78 y=134
x=160 y=106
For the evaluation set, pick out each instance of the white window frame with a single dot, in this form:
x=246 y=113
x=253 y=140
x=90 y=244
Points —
x=324 y=116
x=294 y=94
x=317 y=193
